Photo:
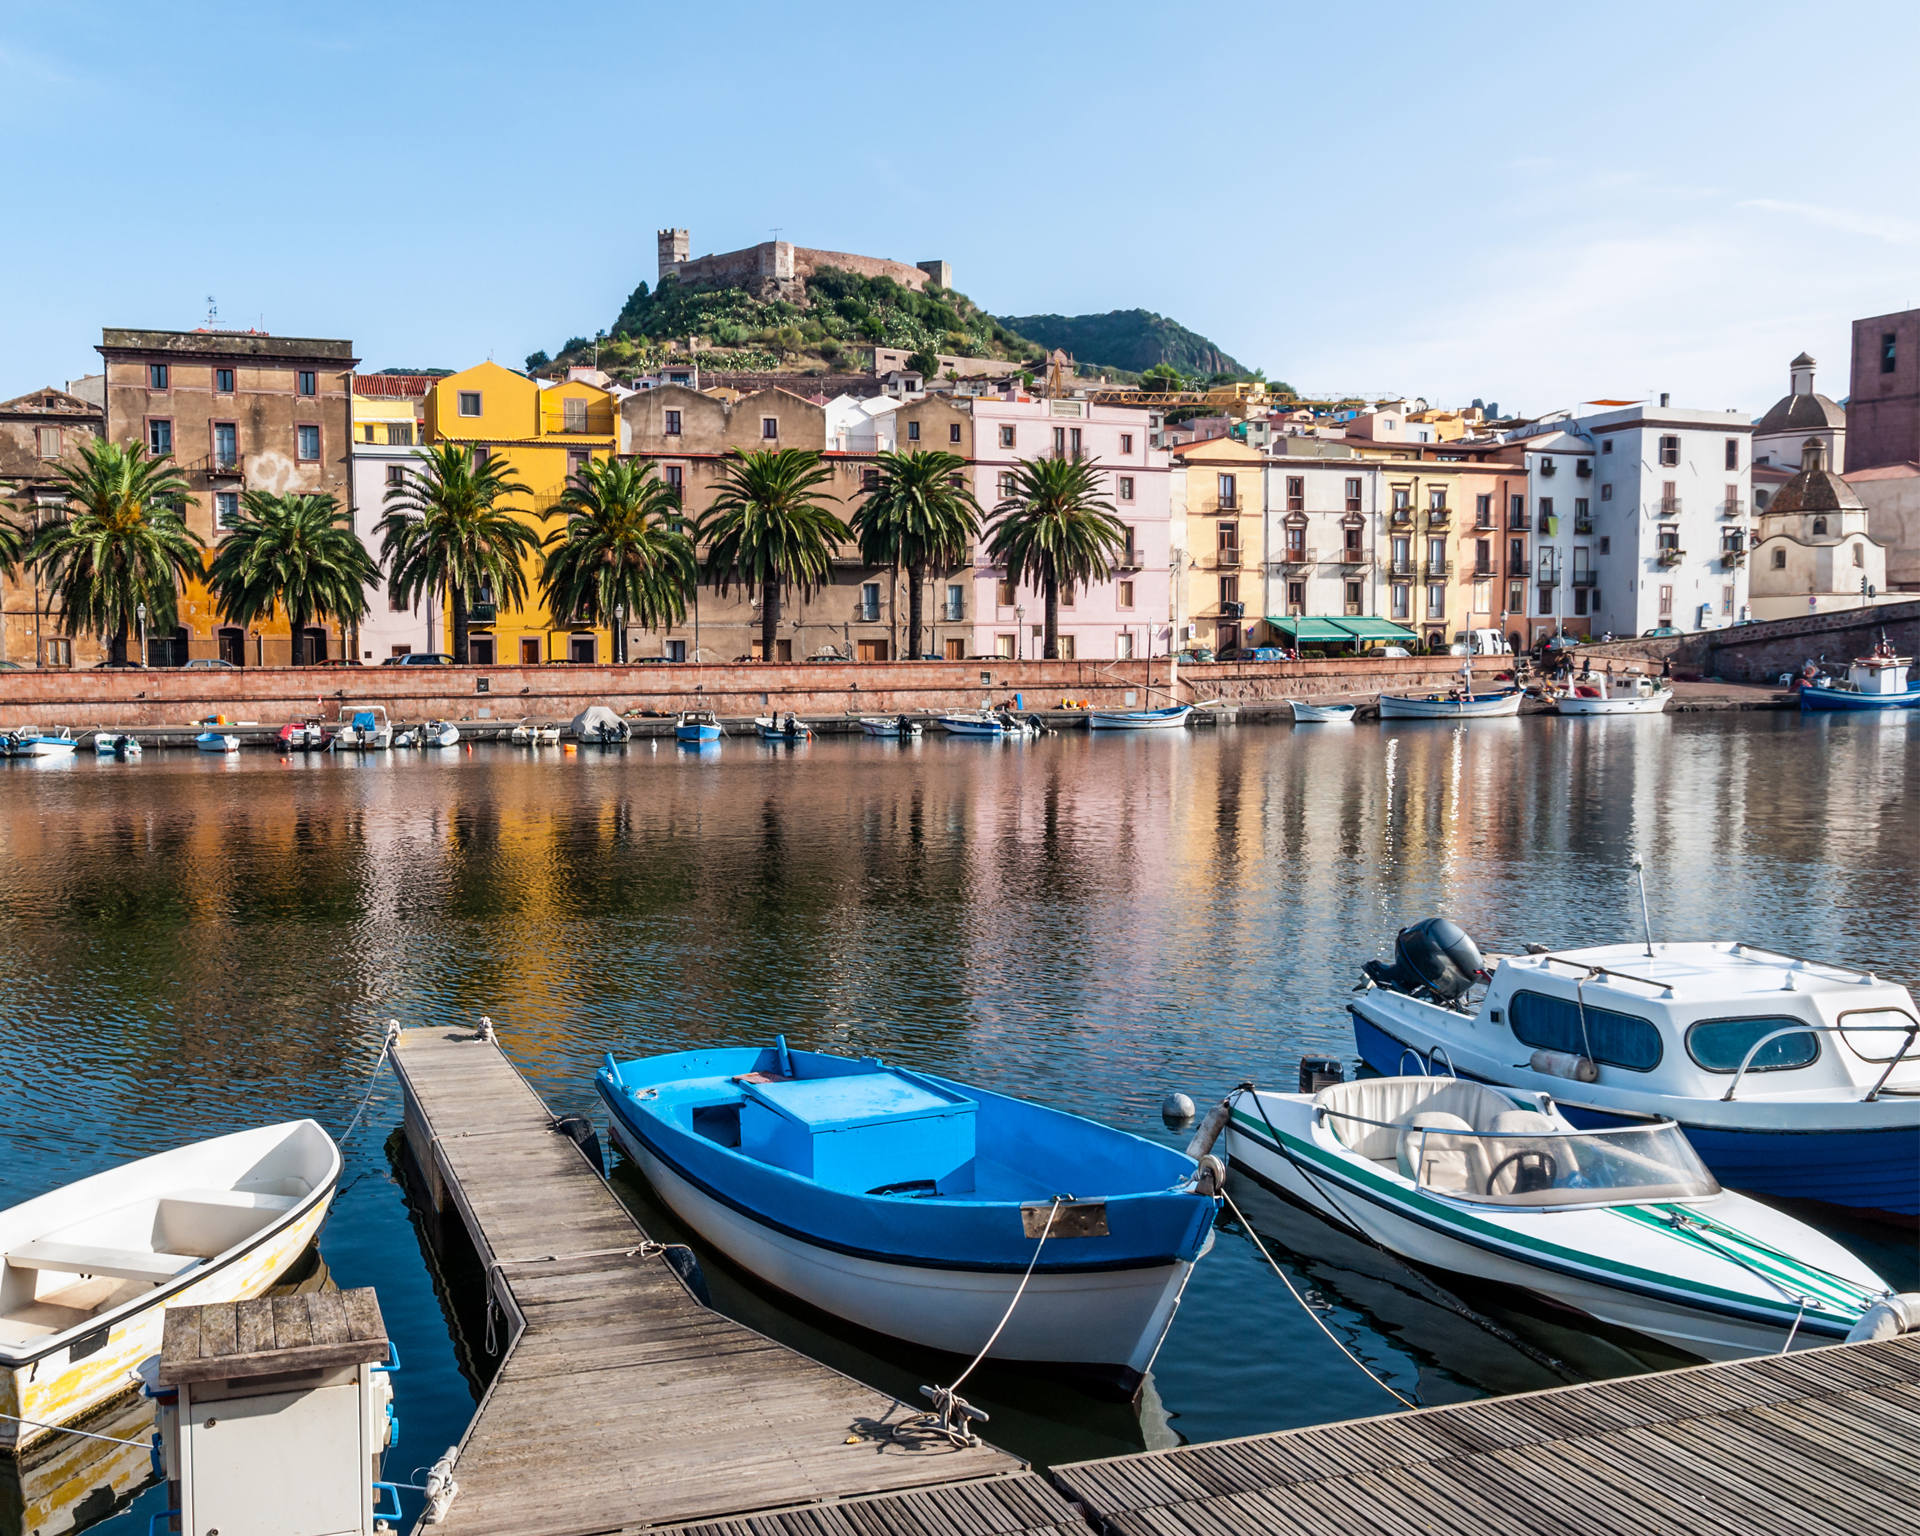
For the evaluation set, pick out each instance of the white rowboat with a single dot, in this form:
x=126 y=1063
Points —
x=1448 y=706
x=1173 y=718
x=1322 y=714
x=89 y=1269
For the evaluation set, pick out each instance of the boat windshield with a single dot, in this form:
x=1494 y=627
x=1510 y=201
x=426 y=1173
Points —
x=1529 y=1168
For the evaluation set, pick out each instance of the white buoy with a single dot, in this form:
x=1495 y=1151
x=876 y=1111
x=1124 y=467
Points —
x=1177 y=1110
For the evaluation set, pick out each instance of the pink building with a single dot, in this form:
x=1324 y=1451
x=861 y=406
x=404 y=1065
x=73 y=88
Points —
x=1127 y=616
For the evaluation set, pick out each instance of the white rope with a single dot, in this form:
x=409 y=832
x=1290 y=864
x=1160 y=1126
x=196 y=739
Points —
x=386 y=1050
x=84 y=1434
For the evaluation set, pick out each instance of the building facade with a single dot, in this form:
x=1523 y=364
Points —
x=1224 y=515
x=1883 y=400
x=1813 y=552
x=39 y=432
x=236 y=411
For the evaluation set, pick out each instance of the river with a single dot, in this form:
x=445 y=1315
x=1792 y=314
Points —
x=197 y=944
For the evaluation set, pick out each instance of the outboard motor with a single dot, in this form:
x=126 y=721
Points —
x=1434 y=958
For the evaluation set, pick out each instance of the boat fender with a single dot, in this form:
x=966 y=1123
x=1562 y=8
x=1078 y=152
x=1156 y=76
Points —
x=579 y=1130
x=1176 y=1109
x=1210 y=1177
x=1888 y=1318
x=1581 y=1069
x=1210 y=1129
x=685 y=1263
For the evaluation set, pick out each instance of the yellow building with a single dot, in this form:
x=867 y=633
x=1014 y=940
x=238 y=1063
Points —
x=545 y=431
x=1224 y=513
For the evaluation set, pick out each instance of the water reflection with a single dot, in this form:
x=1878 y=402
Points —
x=194 y=944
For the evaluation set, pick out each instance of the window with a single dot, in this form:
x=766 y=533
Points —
x=576 y=464
x=1226 y=490
x=1516 y=511
x=770 y=428
x=1124 y=594
x=226 y=444
x=1353 y=597
x=1229 y=590
x=671 y=427
x=1003 y=596
x=913 y=432
x=1483 y=557
x=309 y=382
x=58 y=653
x=1582 y=509
x=953 y=431
x=1516 y=597
x=1009 y=487
x=573 y=415
x=676 y=476
x=1126 y=442
x=1403 y=556
x=1003 y=646
x=870 y=603
x=1350 y=537
x=156 y=375
x=1669 y=538
x=1666 y=602
x=400 y=434
x=1819 y=525
x=1760 y=500
x=1059 y=442
x=1606 y=544
x=1066 y=594
x=396 y=603
x=1297 y=543
x=1516 y=557
x=1006 y=437
x=582 y=649
x=1483 y=511
x=396 y=475
x=1402 y=500
x=308 y=441
x=159 y=437
x=1436 y=600
x=1129 y=556
x=469 y=402
x=480 y=650
x=1437 y=498
x=676 y=650
x=1860 y=554
x=1546 y=599
x=49 y=441
x=223 y=381
x=1353 y=494
x=869 y=479
x=1889 y=356
x=1296 y=597
x=1733 y=453
x=1124 y=484
x=1296 y=493
x=1579 y=602
x=1670 y=451
x=1606 y=493
x=1556 y=1024
x=1546 y=514
x=1073 y=441
x=1436 y=554
x=956 y=603
x=226 y=509
x=1780 y=559
x=1607 y=446
x=1720 y=1045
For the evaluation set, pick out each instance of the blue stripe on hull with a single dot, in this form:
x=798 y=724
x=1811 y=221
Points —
x=1876 y=1171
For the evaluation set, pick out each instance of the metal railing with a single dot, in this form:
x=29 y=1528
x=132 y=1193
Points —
x=1226 y=560
x=1400 y=568
x=1672 y=556
x=1355 y=557
x=1586 y=578
x=1547 y=576
x=1438 y=570
x=1731 y=559
x=1298 y=557
x=1669 y=505
x=223 y=466
x=1583 y=525
x=1437 y=517
x=1828 y=1029
x=1734 y=508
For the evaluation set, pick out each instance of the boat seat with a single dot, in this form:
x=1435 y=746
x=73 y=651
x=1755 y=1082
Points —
x=1394 y=1100
x=246 y=1199
x=1447 y=1165
x=116 y=1263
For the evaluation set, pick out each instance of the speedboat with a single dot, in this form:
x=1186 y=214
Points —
x=1879 y=680
x=772 y=728
x=32 y=743
x=308 y=734
x=997 y=722
x=1624 y=1225
x=914 y=1206
x=362 y=728
x=1636 y=695
x=891 y=725
x=1322 y=714
x=1455 y=704
x=90 y=1269
x=216 y=741
x=696 y=725
x=1172 y=718
x=107 y=744
x=1789 y=1077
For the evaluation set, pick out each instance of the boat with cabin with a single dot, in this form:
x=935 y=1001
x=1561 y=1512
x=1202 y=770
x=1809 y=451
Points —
x=1790 y=1077
x=1625 y=1226
x=311 y=733
x=362 y=728
x=89 y=1269
x=696 y=726
x=33 y=743
x=1602 y=694
x=1878 y=680
x=1173 y=718
x=1459 y=702
x=921 y=1208
x=988 y=722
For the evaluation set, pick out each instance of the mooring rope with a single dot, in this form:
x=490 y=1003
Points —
x=373 y=1082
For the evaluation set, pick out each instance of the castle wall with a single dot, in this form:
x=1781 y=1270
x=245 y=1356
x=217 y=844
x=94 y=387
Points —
x=777 y=268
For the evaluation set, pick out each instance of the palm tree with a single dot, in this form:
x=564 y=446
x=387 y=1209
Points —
x=770 y=528
x=445 y=531
x=13 y=542
x=121 y=541
x=623 y=547
x=297 y=552
x=922 y=517
x=1055 y=531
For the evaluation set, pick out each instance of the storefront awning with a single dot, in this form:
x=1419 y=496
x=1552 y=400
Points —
x=1311 y=631
x=1375 y=629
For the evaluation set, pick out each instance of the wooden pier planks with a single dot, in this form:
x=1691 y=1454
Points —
x=1811 y=1444
x=623 y=1403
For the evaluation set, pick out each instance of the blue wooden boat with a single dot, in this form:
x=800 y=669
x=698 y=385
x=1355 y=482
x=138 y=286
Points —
x=696 y=725
x=1875 y=681
x=915 y=1206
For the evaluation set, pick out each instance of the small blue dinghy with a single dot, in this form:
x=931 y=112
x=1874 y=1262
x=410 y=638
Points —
x=921 y=1208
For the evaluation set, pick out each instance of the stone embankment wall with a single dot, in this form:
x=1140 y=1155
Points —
x=273 y=695
x=1755 y=653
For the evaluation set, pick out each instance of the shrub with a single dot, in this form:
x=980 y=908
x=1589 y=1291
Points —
x=924 y=363
x=537 y=360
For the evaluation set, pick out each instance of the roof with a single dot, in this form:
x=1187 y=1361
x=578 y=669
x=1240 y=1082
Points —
x=48 y=401
x=1701 y=972
x=225 y=344
x=405 y=386
x=1800 y=413
x=1815 y=489
x=1885 y=472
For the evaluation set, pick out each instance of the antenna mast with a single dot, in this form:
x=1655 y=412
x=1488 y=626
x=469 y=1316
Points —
x=1646 y=922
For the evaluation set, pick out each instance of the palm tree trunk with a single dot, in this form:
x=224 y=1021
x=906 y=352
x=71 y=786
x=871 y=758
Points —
x=916 y=581
x=117 y=646
x=769 y=617
x=459 y=624
x=1051 y=587
x=302 y=656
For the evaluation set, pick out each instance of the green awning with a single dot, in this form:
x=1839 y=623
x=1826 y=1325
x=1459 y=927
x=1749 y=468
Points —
x=1374 y=629
x=1311 y=631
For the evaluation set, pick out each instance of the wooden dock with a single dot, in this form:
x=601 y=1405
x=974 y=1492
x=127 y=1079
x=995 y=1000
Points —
x=1818 y=1443
x=622 y=1403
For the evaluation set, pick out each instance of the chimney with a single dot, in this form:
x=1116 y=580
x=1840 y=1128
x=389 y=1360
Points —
x=1663 y=402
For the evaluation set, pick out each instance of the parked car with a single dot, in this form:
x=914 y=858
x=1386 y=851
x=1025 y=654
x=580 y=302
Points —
x=1387 y=650
x=1196 y=653
x=11 y=666
x=1480 y=642
x=1254 y=653
x=1664 y=632
x=424 y=659
x=210 y=664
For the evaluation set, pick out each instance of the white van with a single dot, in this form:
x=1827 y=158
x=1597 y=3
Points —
x=1480 y=642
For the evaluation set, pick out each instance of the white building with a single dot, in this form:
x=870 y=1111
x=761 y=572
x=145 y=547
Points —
x=856 y=425
x=386 y=630
x=1813 y=552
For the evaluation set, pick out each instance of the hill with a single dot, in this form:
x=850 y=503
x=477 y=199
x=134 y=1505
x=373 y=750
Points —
x=1134 y=339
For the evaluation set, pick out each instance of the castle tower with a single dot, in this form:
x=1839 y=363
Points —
x=673 y=250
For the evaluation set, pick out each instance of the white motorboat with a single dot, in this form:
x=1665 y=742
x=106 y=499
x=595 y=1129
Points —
x=439 y=733
x=535 y=736
x=1172 y=718
x=111 y=744
x=1790 y=1078
x=1626 y=1226
x=1002 y=722
x=1878 y=680
x=362 y=728
x=773 y=728
x=1637 y=694
x=90 y=1268
x=216 y=741
x=1322 y=714
x=32 y=743
x=891 y=725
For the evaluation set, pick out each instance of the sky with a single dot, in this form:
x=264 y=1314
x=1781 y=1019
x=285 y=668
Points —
x=1529 y=205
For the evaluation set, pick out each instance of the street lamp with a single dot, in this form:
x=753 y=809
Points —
x=620 y=632
x=1019 y=632
x=140 y=610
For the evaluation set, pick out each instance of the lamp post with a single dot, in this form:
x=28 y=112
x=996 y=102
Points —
x=620 y=632
x=140 y=611
x=1019 y=632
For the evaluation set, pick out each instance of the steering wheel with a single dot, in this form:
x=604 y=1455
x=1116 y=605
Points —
x=1537 y=1171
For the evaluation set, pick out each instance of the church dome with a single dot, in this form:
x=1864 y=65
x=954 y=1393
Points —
x=1801 y=413
x=1816 y=488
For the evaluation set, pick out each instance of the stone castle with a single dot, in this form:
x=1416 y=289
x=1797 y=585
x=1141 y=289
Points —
x=779 y=269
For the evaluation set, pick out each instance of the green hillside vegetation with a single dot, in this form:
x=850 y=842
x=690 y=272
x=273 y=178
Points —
x=1134 y=339
x=842 y=315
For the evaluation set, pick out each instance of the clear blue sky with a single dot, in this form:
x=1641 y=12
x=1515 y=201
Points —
x=1534 y=205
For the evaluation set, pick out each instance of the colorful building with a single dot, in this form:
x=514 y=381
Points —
x=1222 y=486
x=546 y=432
x=389 y=425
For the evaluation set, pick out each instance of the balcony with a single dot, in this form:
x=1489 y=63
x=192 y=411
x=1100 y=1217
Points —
x=1437 y=570
x=1732 y=559
x=1403 y=517
x=1584 y=470
x=1400 y=568
x=1438 y=517
x=1672 y=556
x=1734 y=508
x=223 y=466
x=1548 y=576
x=1586 y=578
x=1583 y=525
x=1297 y=559
x=1669 y=506
x=1233 y=610
x=480 y=613
x=1547 y=467
x=1355 y=559
x=1483 y=573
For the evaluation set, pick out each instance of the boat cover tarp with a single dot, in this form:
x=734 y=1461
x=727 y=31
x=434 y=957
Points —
x=590 y=721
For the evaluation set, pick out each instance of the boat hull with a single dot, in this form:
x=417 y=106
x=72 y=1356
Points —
x=211 y=742
x=1872 y=1171
x=1113 y=1320
x=1652 y=705
x=1322 y=714
x=1140 y=720
x=696 y=733
x=959 y=725
x=1812 y=699
x=1484 y=706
